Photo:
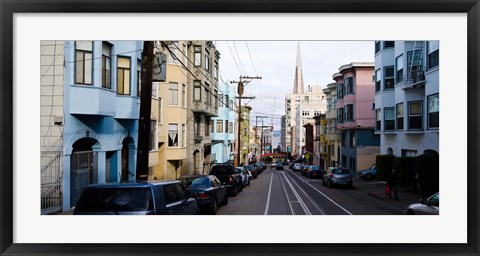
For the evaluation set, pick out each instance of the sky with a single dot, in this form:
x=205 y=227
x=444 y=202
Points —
x=275 y=62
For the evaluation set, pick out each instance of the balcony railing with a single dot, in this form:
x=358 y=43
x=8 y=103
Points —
x=197 y=138
x=414 y=79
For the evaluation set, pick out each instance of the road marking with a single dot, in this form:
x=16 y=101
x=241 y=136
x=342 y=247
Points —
x=268 y=197
x=302 y=204
x=339 y=206
x=309 y=198
x=286 y=195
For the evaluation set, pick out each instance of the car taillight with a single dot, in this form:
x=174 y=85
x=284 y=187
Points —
x=202 y=196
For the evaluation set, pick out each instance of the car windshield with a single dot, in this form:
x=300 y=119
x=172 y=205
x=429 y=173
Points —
x=340 y=171
x=315 y=168
x=115 y=199
x=200 y=183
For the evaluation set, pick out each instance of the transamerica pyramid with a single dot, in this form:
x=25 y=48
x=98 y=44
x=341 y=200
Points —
x=298 y=86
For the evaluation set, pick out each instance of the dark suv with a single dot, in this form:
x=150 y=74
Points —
x=136 y=198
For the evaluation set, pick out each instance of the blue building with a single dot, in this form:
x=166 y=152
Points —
x=223 y=126
x=101 y=110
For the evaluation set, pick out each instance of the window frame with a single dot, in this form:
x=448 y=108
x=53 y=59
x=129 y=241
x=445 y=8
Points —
x=387 y=47
x=378 y=80
x=349 y=87
x=340 y=90
x=346 y=115
x=197 y=49
x=389 y=122
x=219 y=128
x=197 y=91
x=76 y=62
x=428 y=112
x=378 y=119
x=399 y=72
x=397 y=117
x=104 y=66
x=410 y=116
x=129 y=69
x=168 y=136
x=385 y=78
x=173 y=99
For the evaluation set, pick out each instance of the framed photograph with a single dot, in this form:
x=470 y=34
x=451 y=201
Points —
x=90 y=62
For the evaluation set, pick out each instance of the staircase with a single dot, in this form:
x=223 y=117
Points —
x=51 y=181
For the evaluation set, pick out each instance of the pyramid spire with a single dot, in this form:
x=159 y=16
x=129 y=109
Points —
x=298 y=86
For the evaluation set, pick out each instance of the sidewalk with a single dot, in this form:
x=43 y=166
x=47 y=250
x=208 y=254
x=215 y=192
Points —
x=376 y=189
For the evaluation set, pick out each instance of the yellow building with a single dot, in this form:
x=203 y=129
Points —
x=333 y=136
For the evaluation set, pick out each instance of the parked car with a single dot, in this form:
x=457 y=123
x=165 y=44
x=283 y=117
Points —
x=297 y=167
x=132 y=198
x=425 y=207
x=279 y=166
x=209 y=192
x=314 y=172
x=187 y=179
x=253 y=170
x=369 y=173
x=228 y=176
x=305 y=169
x=245 y=176
x=263 y=165
x=258 y=168
x=337 y=175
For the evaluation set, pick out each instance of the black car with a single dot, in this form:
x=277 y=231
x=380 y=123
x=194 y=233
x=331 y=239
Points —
x=279 y=166
x=209 y=192
x=228 y=176
x=136 y=198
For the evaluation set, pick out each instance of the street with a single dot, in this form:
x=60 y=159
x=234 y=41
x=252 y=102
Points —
x=289 y=193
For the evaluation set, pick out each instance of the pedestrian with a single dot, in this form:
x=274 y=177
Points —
x=392 y=183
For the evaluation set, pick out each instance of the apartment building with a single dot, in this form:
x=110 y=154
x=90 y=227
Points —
x=333 y=135
x=355 y=115
x=407 y=96
x=224 y=126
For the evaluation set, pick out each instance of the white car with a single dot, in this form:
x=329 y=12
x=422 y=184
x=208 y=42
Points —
x=429 y=207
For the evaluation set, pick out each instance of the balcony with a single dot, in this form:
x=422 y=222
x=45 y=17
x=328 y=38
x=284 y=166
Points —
x=197 y=139
x=128 y=107
x=414 y=80
x=89 y=100
x=203 y=108
x=331 y=114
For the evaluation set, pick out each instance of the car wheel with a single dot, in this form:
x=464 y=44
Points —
x=241 y=187
x=214 y=209
x=410 y=212
x=368 y=176
x=225 y=200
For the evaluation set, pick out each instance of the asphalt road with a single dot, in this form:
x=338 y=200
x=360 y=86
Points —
x=288 y=193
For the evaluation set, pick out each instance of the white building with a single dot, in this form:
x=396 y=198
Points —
x=308 y=105
x=407 y=96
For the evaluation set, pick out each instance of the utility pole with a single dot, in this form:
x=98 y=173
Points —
x=240 y=93
x=145 y=111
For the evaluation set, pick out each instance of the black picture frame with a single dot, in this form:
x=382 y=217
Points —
x=10 y=7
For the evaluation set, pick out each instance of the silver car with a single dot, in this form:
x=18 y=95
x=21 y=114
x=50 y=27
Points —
x=245 y=176
x=337 y=175
x=428 y=207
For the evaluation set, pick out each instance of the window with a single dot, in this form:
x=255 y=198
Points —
x=389 y=44
x=197 y=125
x=245 y=132
x=226 y=126
x=219 y=126
x=173 y=135
x=316 y=113
x=197 y=51
x=400 y=116
x=207 y=127
x=349 y=85
x=348 y=112
x=340 y=90
x=215 y=93
x=139 y=77
x=123 y=75
x=378 y=119
x=305 y=113
x=215 y=70
x=433 y=111
x=106 y=65
x=378 y=80
x=184 y=136
x=197 y=92
x=184 y=95
x=230 y=127
x=414 y=63
x=389 y=119
x=207 y=60
x=154 y=89
x=340 y=115
x=408 y=152
x=207 y=95
x=226 y=101
x=353 y=140
x=399 y=68
x=173 y=93
x=83 y=62
x=377 y=46
x=415 y=116
x=433 y=59
x=173 y=46
x=221 y=99
x=389 y=77
x=153 y=135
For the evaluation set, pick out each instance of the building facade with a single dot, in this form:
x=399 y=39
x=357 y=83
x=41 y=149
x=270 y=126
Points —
x=333 y=135
x=245 y=133
x=202 y=103
x=101 y=106
x=355 y=115
x=407 y=96
x=224 y=126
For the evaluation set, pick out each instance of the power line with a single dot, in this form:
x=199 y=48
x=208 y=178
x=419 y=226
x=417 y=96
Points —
x=239 y=60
